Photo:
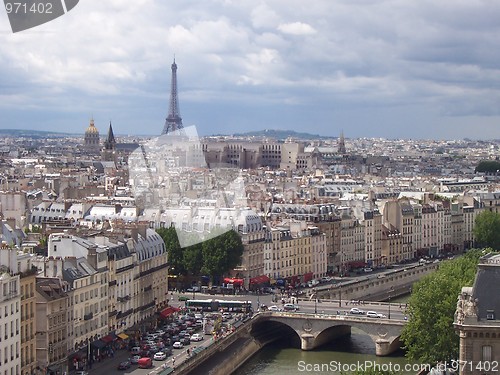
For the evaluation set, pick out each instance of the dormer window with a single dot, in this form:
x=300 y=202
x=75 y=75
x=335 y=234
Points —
x=490 y=315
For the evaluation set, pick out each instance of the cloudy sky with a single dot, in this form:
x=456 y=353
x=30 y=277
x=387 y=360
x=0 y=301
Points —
x=393 y=69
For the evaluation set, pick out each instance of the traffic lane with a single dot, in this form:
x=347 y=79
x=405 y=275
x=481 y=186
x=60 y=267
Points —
x=180 y=356
x=330 y=309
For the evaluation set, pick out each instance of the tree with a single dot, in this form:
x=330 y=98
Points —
x=213 y=257
x=221 y=254
x=487 y=229
x=174 y=251
x=488 y=166
x=429 y=336
x=193 y=259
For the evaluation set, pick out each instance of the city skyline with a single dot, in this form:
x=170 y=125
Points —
x=392 y=70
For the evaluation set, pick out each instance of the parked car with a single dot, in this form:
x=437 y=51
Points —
x=124 y=365
x=357 y=311
x=135 y=359
x=178 y=345
x=145 y=362
x=372 y=314
x=160 y=356
x=196 y=337
x=368 y=269
x=274 y=308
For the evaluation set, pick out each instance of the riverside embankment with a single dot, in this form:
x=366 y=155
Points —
x=377 y=287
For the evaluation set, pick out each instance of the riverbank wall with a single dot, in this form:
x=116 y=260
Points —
x=225 y=356
x=380 y=287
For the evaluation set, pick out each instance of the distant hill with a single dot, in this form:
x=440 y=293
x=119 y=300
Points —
x=280 y=134
x=33 y=133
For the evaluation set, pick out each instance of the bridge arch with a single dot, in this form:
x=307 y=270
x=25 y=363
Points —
x=266 y=331
x=315 y=330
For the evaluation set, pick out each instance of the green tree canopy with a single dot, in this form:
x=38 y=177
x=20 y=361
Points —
x=174 y=250
x=221 y=254
x=429 y=336
x=487 y=229
x=213 y=257
x=488 y=166
x=193 y=259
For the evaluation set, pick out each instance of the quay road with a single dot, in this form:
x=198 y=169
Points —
x=109 y=365
x=307 y=305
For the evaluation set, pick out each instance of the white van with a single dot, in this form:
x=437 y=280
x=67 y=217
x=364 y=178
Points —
x=135 y=350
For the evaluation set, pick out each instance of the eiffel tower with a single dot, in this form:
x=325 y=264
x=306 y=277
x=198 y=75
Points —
x=174 y=120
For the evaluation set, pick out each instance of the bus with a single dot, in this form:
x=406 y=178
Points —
x=218 y=305
x=202 y=304
x=235 y=306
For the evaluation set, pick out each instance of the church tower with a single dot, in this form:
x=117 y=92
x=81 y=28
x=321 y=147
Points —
x=109 y=150
x=91 y=140
x=341 y=149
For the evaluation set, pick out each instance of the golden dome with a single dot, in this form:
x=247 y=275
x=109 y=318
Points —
x=91 y=129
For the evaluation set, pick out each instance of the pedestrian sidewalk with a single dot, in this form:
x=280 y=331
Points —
x=103 y=366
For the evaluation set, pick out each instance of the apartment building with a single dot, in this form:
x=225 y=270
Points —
x=400 y=215
x=372 y=221
x=28 y=309
x=151 y=291
x=352 y=242
x=10 y=335
x=293 y=252
x=122 y=284
x=392 y=244
x=52 y=325
x=253 y=260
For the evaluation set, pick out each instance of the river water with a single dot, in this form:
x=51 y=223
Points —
x=340 y=356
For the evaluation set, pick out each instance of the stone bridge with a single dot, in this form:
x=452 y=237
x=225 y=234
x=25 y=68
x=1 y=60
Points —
x=314 y=330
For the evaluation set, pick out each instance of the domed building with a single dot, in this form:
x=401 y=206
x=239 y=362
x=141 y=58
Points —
x=91 y=142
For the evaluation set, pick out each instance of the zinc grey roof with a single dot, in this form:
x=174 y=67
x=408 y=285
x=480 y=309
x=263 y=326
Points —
x=486 y=286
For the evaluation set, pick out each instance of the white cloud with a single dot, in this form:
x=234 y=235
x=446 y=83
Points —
x=296 y=28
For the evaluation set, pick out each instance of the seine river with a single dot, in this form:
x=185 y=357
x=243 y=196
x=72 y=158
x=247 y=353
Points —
x=341 y=355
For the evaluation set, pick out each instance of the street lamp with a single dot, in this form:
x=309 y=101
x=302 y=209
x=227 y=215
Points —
x=390 y=295
x=315 y=302
x=340 y=295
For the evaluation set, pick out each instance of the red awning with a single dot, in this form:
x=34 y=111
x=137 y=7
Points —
x=166 y=312
x=357 y=264
x=107 y=339
x=230 y=280
x=262 y=279
x=308 y=277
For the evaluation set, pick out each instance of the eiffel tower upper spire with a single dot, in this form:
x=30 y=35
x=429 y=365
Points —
x=174 y=120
